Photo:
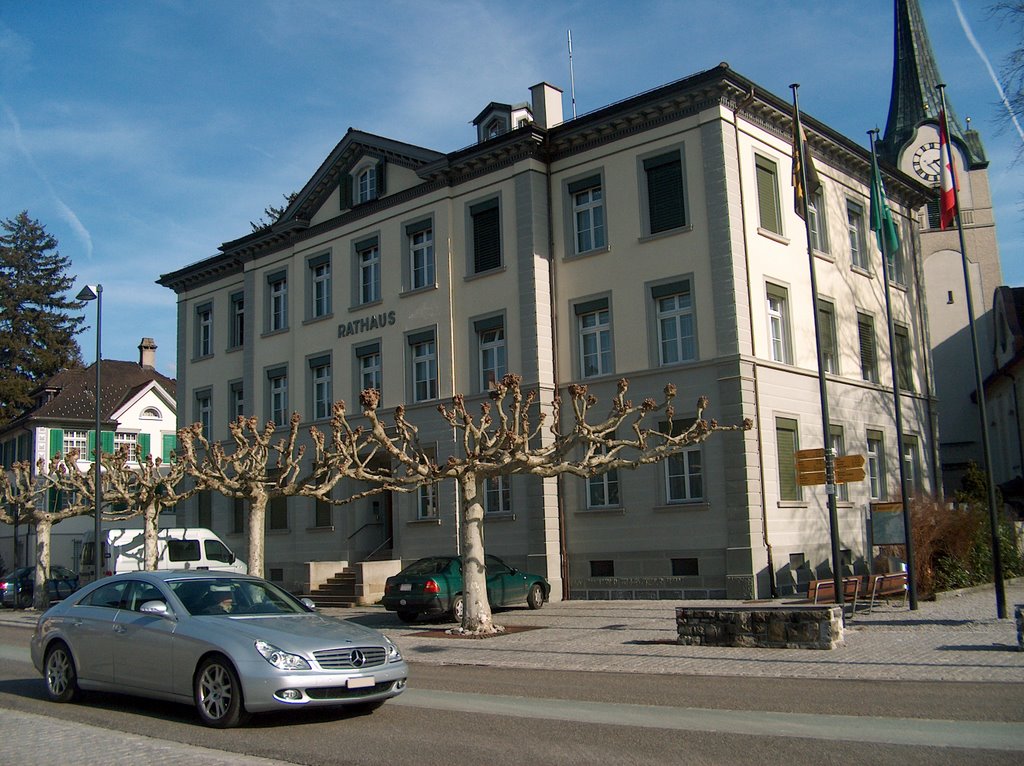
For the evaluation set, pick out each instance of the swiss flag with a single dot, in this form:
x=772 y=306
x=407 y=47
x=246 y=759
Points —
x=947 y=198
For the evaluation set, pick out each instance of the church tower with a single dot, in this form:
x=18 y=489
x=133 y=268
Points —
x=911 y=143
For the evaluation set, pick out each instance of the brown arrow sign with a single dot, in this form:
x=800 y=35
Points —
x=850 y=468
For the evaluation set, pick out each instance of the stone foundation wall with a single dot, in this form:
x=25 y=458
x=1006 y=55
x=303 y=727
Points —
x=791 y=627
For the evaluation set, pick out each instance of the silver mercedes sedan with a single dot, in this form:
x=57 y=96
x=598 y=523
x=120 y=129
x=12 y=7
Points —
x=229 y=644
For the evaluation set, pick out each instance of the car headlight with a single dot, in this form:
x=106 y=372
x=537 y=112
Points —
x=393 y=654
x=279 y=659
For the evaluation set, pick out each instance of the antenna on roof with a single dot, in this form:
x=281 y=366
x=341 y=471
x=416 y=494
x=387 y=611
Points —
x=572 y=77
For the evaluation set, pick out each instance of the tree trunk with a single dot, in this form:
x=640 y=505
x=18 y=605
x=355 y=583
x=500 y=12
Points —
x=41 y=593
x=149 y=528
x=257 y=533
x=476 y=618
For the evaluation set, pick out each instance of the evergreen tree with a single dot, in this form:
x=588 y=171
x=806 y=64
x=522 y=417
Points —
x=37 y=332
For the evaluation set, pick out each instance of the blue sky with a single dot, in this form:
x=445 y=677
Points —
x=144 y=133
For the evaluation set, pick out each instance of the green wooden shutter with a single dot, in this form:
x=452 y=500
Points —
x=768 y=196
x=345 y=191
x=56 y=441
x=91 y=448
x=665 y=192
x=786 y=445
x=143 y=446
x=866 y=333
x=486 y=240
x=107 y=441
x=168 y=443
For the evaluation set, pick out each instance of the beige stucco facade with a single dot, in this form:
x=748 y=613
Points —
x=717 y=301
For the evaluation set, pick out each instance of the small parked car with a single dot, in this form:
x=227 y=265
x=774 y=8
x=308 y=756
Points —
x=18 y=587
x=227 y=643
x=433 y=586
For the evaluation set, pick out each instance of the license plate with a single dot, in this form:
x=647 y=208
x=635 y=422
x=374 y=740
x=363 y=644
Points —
x=405 y=586
x=361 y=683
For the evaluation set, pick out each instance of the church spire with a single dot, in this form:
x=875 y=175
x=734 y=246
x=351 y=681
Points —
x=914 y=99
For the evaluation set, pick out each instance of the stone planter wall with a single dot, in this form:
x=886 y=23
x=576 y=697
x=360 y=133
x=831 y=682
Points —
x=789 y=627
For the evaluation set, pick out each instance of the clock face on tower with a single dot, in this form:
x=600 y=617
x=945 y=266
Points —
x=926 y=161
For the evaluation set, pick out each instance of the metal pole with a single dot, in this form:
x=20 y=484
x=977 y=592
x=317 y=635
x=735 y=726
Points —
x=826 y=430
x=897 y=406
x=997 y=559
x=98 y=517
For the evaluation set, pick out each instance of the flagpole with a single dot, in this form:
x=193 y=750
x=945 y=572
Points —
x=826 y=430
x=896 y=396
x=997 y=559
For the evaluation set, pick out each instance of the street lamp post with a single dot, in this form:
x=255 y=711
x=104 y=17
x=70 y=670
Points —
x=95 y=293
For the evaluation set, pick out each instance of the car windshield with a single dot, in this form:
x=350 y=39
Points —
x=429 y=566
x=228 y=596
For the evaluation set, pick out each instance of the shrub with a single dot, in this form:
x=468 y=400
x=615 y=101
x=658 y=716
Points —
x=953 y=545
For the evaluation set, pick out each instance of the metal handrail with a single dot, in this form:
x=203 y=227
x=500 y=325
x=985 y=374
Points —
x=367 y=524
x=384 y=544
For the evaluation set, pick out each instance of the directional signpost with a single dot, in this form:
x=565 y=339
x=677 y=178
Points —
x=810 y=468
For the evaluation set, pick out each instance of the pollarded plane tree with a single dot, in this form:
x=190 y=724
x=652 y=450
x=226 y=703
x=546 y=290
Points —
x=130 y=491
x=508 y=439
x=42 y=498
x=260 y=469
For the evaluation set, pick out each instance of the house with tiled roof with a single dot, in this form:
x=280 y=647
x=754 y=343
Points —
x=137 y=413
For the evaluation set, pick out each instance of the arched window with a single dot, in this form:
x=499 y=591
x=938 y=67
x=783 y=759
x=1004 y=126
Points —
x=366 y=184
x=151 y=413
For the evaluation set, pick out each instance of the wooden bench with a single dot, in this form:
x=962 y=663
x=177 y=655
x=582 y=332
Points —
x=824 y=591
x=885 y=586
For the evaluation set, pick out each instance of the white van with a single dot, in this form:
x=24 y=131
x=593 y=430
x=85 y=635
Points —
x=124 y=550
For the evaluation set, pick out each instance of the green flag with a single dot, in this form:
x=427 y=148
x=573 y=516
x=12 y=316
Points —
x=881 y=215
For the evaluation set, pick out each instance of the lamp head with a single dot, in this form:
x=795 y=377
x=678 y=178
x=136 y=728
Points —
x=89 y=293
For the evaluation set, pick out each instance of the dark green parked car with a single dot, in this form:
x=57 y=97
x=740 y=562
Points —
x=433 y=586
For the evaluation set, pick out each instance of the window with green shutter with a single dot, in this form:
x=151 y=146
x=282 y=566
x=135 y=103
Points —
x=868 y=355
x=665 y=204
x=486 y=223
x=786 y=444
x=143 y=446
x=904 y=358
x=768 y=195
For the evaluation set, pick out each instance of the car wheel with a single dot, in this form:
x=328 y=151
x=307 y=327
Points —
x=405 y=616
x=24 y=600
x=535 y=598
x=218 y=694
x=458 y=608
x=60 y=674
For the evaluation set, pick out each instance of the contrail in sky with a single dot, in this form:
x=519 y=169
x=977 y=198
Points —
x=66 y=212
x=991 y=72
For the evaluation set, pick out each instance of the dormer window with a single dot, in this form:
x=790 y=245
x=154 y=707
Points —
x=363 y=183
x=495 y=127
x=366 y=185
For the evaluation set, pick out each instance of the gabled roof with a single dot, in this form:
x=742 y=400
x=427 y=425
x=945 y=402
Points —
x=74 y=398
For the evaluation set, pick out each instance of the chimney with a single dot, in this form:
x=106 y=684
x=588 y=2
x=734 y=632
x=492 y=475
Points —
x=147 y=354
x=547 y=105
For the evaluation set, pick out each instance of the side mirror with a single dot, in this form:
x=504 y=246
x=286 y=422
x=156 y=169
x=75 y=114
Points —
x=158 y=609
x=231 y=558
x=309 y=603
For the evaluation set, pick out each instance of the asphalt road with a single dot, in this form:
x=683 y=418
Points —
x=482 y=715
